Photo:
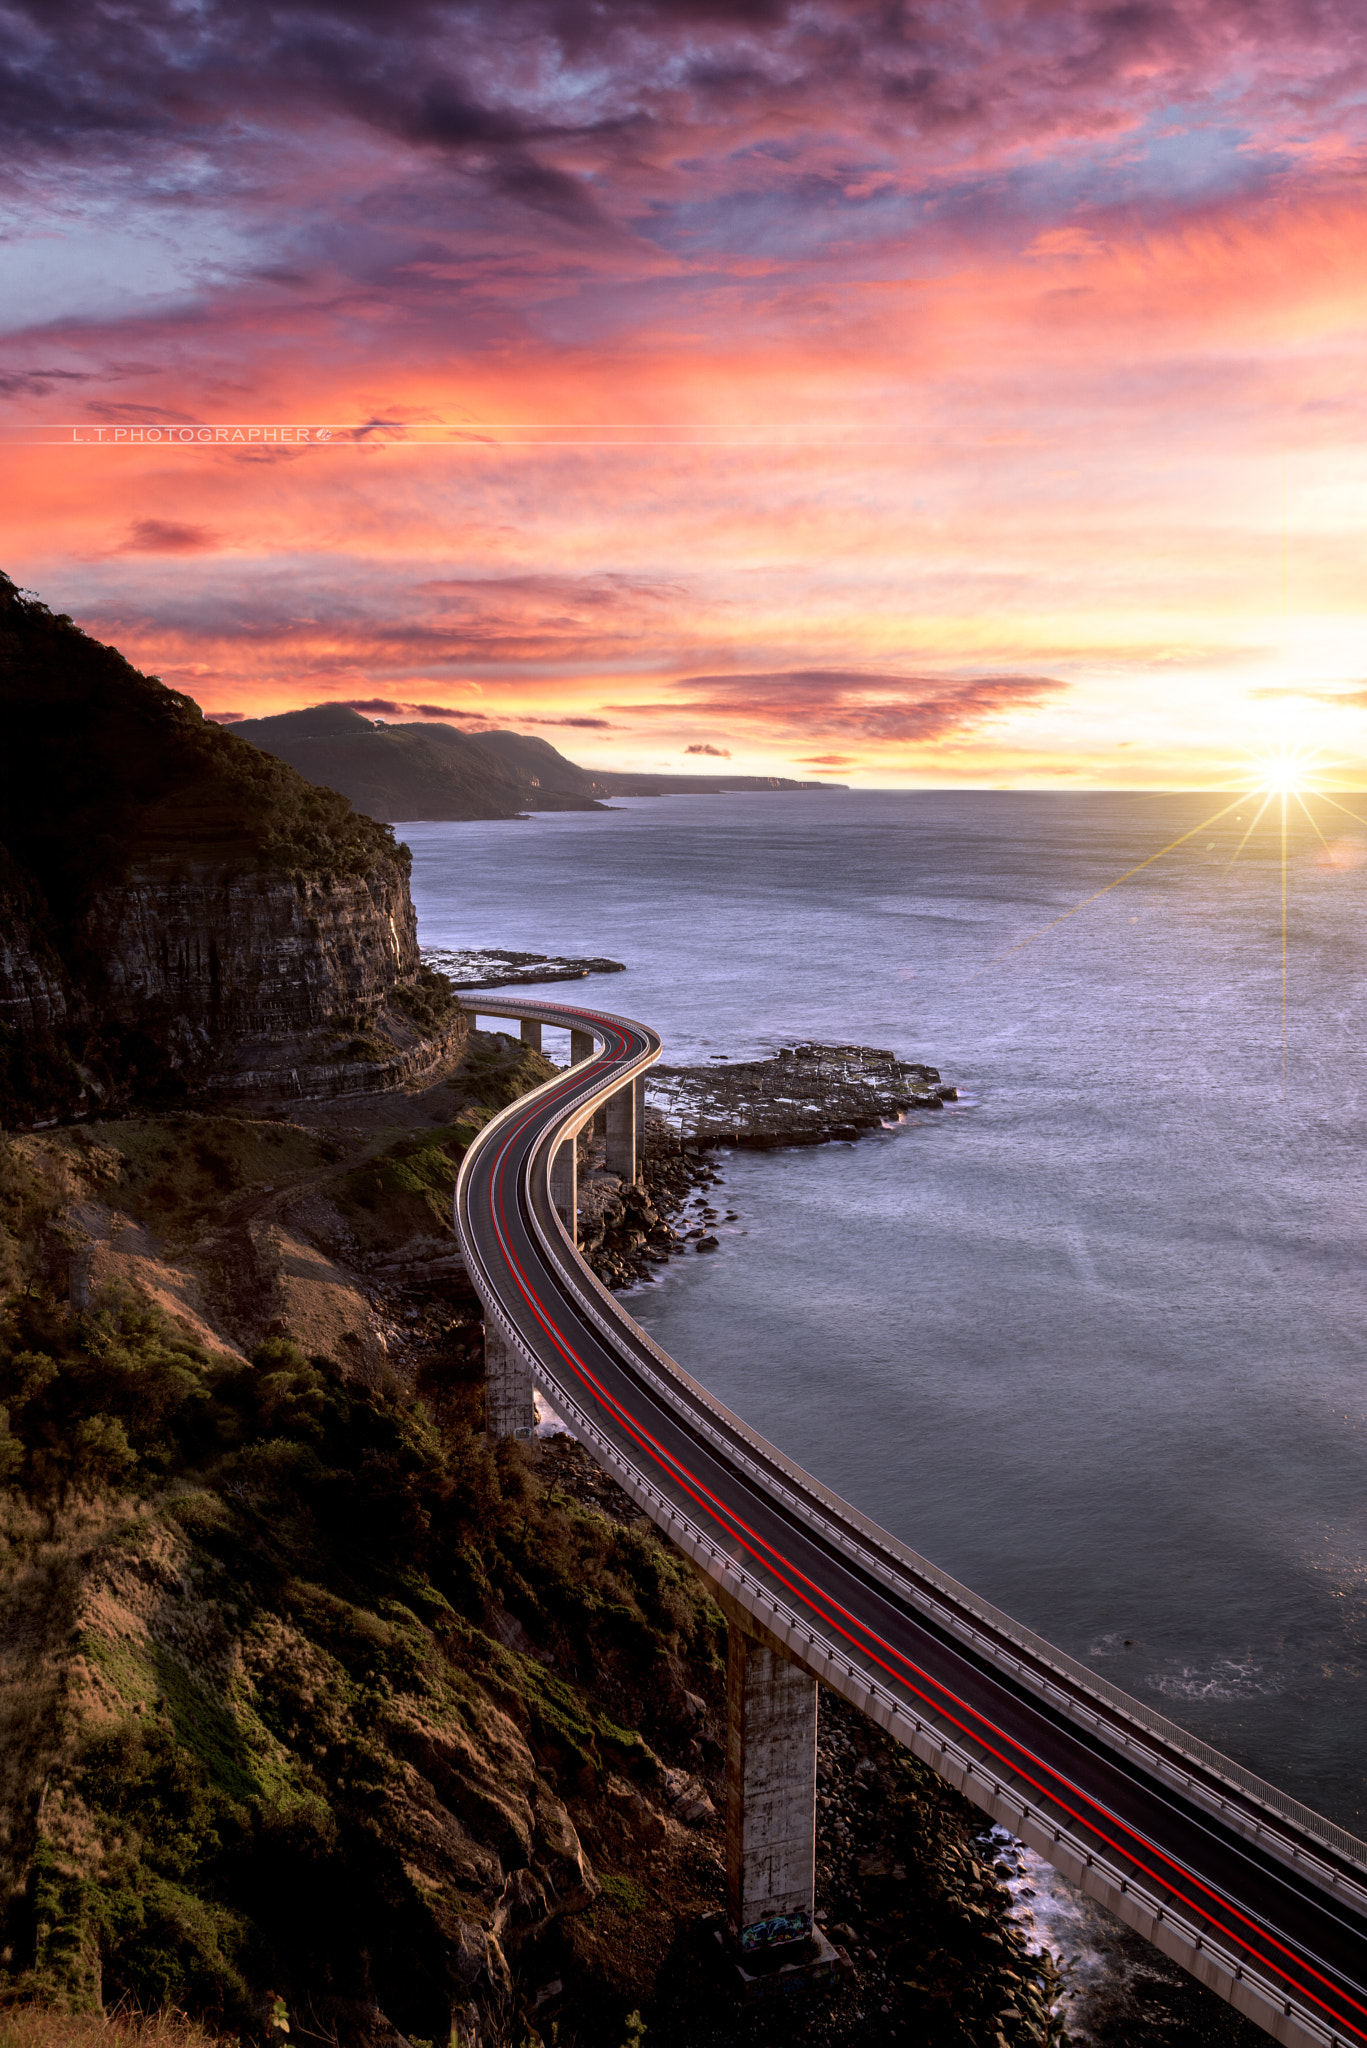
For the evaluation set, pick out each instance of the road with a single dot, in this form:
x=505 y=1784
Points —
x=1258 y=1897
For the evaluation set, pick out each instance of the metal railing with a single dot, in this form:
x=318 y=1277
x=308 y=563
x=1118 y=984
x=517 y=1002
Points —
x=844 y=1524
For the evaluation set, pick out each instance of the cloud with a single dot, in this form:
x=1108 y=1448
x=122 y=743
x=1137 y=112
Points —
x=1066 y=242
x=395 y=707
x=37 y=383
x=878 y=707
x=827 y=760
x=166 y=537
x=1354 y=699
x=976 y=335
x=721 y=753
x=227 y=717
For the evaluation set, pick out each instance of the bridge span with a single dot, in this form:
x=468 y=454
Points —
x=1260 y=1898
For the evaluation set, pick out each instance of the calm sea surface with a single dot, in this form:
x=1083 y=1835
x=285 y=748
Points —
x=1094 y=1340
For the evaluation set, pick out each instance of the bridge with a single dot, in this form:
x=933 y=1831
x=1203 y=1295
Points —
x=1260 y=1898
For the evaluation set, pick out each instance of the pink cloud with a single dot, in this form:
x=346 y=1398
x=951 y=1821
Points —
x=1038 y=305
x=167 y=537
x=880 y=708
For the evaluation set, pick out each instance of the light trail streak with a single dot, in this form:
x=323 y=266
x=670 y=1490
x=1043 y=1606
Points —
x=1322 y=1986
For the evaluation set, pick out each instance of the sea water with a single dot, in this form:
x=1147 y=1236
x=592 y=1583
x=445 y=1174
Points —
x=1095 y=1338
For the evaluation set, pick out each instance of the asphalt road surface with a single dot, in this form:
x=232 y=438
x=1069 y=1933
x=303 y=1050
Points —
x=1084 y=1766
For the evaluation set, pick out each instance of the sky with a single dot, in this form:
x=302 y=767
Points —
x=960 y=394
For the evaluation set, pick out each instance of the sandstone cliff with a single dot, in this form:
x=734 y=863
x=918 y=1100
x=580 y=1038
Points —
x=181 y=913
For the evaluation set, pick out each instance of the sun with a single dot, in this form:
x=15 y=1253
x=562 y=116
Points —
x=1291 y=771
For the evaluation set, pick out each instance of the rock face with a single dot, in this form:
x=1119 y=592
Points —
x=32 y=991
x=180 y=913
x=217 y=951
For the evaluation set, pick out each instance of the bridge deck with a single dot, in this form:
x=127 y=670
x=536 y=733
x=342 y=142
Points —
x=1255 y=1896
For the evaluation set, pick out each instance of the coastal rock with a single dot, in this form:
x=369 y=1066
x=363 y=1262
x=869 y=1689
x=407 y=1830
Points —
x=805 y=1094
x=207 y=951
x=475 y=968
x=32 y=985
x=181 y=912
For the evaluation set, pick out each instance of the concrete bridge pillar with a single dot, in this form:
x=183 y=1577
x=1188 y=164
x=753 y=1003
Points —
x=621 y=1133
x=770 y=1797
x=581 y=1046
x=531 y=1033
x=565 y=1184
x=508 y=1407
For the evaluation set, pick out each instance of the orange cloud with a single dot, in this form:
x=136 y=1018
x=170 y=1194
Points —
x=963 y=388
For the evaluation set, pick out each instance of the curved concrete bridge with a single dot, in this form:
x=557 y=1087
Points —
x=1257 y=1896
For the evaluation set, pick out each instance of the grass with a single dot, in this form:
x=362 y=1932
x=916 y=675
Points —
x=624 y=1892
x=34 y=2026
x=270 y=1628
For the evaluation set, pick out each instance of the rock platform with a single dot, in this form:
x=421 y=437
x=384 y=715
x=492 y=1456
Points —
x=805 y=1094
x=472 y=968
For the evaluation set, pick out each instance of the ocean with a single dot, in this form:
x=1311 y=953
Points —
x=1094 y=1339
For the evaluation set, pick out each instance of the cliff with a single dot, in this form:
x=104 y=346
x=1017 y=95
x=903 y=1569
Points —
x=422 y=770
x=180 y=912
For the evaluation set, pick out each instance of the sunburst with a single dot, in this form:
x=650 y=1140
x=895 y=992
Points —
x=1284 y=777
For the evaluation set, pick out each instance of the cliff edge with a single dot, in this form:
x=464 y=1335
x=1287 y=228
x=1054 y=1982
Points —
x=182 y=914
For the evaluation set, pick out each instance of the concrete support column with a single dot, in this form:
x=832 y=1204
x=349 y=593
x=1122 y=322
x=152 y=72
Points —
x=565 y=1184
x=581 y=1046
x=531 y=1033
x=508 y=1409
x=770 y=1797
x=622 y=1133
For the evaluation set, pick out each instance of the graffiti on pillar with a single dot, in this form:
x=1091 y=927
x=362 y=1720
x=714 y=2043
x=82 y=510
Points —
x=778 y=1929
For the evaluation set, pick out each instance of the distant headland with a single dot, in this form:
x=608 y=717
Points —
x=431 y=770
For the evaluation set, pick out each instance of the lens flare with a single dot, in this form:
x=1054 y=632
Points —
x=1291 y=771
x=1274 y=786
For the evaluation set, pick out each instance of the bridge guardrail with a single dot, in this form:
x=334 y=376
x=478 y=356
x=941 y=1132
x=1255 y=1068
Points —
x=1304 y=1819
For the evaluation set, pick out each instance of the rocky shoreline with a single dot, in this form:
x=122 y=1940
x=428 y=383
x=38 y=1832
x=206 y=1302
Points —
x=474 y=968
x=805 y=1094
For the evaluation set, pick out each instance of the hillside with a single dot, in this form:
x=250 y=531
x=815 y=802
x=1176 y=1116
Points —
x=428 y=769
x=536 y=762
x=628 y=782
x=421 y=770
x=178 y=909
x=315 y=1706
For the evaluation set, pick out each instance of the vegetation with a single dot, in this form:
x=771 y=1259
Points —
x=29 y=2026
x=277 y=1619
x=103 y=765
x=407 y=1189
x=103 y=768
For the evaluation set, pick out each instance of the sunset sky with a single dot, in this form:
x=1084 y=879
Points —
x=964 y=393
